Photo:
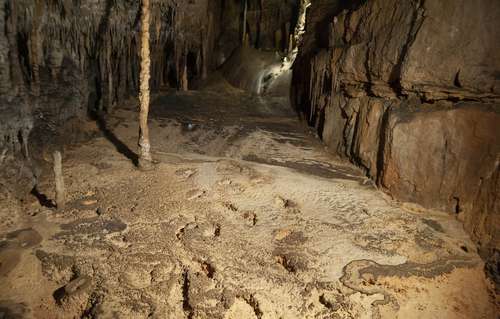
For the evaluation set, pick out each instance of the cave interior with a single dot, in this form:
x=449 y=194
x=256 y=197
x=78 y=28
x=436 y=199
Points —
x=249 y=159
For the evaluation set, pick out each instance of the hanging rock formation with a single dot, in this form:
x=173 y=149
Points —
x=410 y=91
x=91 y=48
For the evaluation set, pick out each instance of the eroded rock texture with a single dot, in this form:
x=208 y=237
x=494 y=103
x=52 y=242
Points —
x=410 y=91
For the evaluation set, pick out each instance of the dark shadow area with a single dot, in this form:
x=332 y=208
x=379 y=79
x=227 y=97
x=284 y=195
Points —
x=119 y=145
x=192 y=65
x=43 y=199
x=59 y=295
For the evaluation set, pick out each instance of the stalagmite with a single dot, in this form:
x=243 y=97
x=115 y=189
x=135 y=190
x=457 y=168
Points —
x=145 y=159
x=184 y=78
x=25 y=133
x=60 y=189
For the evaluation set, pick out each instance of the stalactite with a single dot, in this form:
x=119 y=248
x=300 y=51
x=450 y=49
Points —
x=5 y=80
x=35 y=47
x=244 y=39
x=259 y=24
x=15 y=68
x=205 y=43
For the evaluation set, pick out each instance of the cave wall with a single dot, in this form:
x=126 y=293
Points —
x=410 y=91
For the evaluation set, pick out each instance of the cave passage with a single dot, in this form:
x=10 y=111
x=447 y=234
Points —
x=301 y=159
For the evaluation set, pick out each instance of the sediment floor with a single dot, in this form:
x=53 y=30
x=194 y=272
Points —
x=246 y=215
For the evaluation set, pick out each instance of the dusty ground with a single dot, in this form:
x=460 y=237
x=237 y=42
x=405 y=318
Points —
x=245 y=216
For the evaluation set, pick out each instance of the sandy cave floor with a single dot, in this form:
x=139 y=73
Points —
x=245 y=216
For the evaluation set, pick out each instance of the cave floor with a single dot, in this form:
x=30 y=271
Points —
x=245 y=216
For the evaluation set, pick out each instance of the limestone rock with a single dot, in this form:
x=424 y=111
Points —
x=409 y=91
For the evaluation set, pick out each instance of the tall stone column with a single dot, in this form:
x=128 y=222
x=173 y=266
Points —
x=145 y=159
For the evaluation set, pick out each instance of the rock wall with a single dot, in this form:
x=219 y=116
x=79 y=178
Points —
x=410 y=91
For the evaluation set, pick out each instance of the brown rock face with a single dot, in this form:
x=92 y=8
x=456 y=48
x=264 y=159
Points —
x=447 y=159
x=409 y=90
x=456 y=47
